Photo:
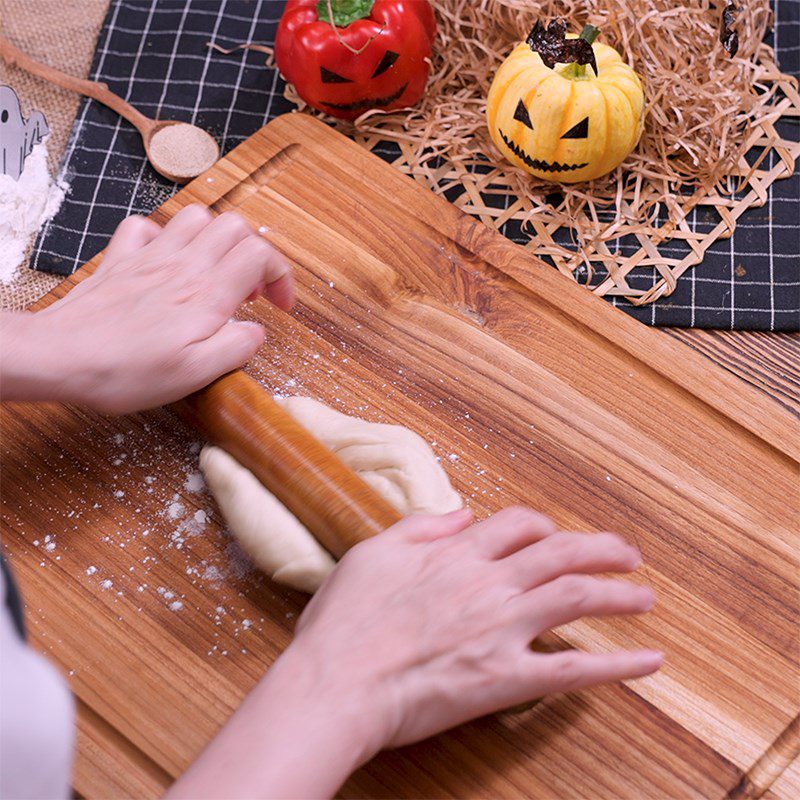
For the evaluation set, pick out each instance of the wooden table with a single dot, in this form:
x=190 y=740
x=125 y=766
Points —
x=768 y=361
x=411 y=313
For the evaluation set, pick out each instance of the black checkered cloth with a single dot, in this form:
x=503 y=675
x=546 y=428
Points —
x=154 y=54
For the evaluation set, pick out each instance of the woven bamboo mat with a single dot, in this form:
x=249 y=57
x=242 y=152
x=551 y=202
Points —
x=621 y=243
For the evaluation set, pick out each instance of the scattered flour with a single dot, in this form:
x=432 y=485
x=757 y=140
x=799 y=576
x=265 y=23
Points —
x=176 y=510
x=25 y=205
x=194 y=482
x=213 y=573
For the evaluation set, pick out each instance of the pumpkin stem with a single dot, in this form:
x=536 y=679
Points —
x=577 y=71
x=589 y=33
x=341 y=13
x=553 y=47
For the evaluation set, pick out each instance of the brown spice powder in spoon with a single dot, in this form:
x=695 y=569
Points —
x=182 y=150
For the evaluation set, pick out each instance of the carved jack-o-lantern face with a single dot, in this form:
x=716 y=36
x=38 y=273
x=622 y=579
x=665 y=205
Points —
x=379 y=92
x=561 y=124
x=346 y=57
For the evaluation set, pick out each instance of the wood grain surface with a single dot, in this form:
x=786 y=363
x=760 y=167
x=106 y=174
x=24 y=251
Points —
x=787 y=785
x=532 y=391
x=768 y=361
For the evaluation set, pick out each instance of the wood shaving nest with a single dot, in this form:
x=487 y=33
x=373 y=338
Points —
x=704 y=112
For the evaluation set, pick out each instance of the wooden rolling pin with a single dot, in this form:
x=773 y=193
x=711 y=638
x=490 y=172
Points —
x=331 y=500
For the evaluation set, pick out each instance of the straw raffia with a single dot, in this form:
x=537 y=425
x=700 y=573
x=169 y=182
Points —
x=710 y=127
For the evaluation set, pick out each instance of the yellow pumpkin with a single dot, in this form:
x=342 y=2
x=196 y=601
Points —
x=568 y=123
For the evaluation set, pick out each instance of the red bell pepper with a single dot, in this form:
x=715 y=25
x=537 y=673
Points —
x=375 y=55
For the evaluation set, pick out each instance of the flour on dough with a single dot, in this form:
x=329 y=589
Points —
x=395 y=461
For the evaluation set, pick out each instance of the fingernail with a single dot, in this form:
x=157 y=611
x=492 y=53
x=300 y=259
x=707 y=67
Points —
x=654 y=656
x=460 y=513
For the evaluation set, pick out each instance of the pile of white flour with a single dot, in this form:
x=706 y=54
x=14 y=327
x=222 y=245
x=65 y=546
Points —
x=25 y=205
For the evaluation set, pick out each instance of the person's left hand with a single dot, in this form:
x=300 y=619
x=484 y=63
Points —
x=153 y=323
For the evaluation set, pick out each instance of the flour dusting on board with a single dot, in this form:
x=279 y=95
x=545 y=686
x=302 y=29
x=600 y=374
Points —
x=159 y=544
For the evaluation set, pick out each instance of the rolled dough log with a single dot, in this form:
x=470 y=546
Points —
x=395 y=461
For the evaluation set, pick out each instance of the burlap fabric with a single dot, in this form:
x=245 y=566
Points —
x=62 y=34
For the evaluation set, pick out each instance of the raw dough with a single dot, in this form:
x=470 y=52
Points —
x=395 y=461
x=273 y=537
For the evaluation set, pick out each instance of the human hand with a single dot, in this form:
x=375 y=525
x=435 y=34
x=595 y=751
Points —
x=429 y=624
x=153 y=323
x=417 y=630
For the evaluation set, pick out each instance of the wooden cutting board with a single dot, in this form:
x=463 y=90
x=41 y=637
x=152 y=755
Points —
x=532 y=391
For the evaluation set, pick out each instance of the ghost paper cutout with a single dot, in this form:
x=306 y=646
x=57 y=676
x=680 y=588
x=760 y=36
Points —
x=18 y=136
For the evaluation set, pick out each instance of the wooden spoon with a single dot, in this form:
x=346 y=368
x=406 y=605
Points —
x=169 y=161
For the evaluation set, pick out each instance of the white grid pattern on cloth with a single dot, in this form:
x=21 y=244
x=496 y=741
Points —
x=105 y=160
x=153 y=53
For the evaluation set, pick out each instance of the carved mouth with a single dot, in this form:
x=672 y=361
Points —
x=537 y=164
x=363 y=105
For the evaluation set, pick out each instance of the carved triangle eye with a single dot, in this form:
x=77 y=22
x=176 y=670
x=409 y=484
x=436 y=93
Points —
x=331 y=77
x=578 y=131
x=389 y=57
x=521 y=115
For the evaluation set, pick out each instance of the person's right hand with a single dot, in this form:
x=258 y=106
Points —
x=423 y=627
x=430 y=623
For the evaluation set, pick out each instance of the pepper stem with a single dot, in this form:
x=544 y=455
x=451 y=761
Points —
x=343 y=11
x=573 y=71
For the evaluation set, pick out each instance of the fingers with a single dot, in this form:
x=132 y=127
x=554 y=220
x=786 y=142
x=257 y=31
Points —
x=239 y=262
x=281 y=291
x=564 y=553
x=132 y=234
x=427 y=527
x=231 y=346
x=215 y=239
x=511 y=529
x=571 y=670
x=570 y=597
x=182 y=229
x=249 y=266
